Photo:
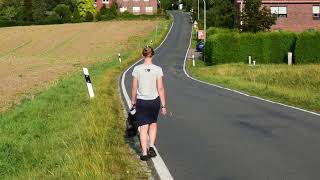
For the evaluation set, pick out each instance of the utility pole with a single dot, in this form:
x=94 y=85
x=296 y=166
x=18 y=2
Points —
x=198 y=11
x=205 y=23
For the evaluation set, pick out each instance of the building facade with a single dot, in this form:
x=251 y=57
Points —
x=293 y=15
x=132 y=6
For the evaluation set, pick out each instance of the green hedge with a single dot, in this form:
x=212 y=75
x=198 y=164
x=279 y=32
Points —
x=222 y=48
x=277 y=45
x=216 y=30
x=307 y=48
x=250 y=45
x=236 y=47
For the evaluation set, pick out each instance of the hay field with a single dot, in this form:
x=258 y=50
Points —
x=33 y=57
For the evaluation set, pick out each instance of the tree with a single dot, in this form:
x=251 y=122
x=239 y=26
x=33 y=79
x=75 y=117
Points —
x=38 y=10
x=63 y=11
x=221 y=14
x=113 y=10
x=76 y=15
x=103 y=10
x=10 y=9
x=51 y=4
x=254 y=18
x=89 y=17
x=27 y=10
x=86 y=8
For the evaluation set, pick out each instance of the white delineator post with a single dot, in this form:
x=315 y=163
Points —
x=119 y=55
x=249 y=60
x=89 y=85
x=289 y=58
x=155 y=38
x=193 y=61
x=254 y=63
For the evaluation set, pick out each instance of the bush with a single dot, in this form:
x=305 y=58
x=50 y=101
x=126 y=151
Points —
x=7 y=23
x=76 y=16
x=52 y=19
x=89 y=17
x=262 y=47
x=98 y=16
x=103 y=10
x=63 y=12
x=307 y=48
x=127 y=14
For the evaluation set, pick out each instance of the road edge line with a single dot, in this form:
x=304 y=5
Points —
x=158 y=163
x=235 y=91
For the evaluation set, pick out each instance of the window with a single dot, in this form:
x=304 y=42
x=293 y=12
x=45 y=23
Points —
x=105 y=1
x=123 y=9
x=136 y=9
x=279 y=11
x=149 y=9
x=316 y=11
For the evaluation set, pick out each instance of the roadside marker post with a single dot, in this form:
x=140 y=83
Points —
x=119 y=55
x=249 y=60
x=155 y=39
x=289 y=58
x=88 y=80
x=254 y=63
x=193 y=61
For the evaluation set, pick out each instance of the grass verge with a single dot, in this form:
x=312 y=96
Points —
x=62 y=134
x=296 y=85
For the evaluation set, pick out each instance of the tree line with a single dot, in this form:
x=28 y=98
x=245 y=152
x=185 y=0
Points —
x=47 y=10
x=224 y=14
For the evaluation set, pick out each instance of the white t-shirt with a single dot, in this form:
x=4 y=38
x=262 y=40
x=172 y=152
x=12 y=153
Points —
x=147 y=76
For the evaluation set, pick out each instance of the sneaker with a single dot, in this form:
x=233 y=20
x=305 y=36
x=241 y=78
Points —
x=144 y=157
x=152 y=152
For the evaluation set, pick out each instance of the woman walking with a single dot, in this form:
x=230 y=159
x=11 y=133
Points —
x=148 y=97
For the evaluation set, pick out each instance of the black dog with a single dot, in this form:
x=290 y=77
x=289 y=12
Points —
x=132 y=127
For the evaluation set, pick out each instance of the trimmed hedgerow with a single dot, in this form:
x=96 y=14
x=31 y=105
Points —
x=250 y=45
x=307 y=48
x=222 y=48
x=262 y=47
x=279 y=44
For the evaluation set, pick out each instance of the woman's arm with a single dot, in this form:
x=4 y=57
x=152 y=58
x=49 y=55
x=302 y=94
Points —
x=134 y=91
x=162 y=95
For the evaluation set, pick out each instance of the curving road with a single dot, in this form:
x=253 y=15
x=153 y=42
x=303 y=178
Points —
x=223 y=135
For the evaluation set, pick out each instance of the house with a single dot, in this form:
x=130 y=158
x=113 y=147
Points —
x=99 y=3
x=293 y=15
x=132 y=6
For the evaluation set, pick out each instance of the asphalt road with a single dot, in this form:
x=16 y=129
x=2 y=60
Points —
x=223 y=135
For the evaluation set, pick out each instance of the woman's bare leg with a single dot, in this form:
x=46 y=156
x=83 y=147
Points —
x=153 y=133
x=144 y=139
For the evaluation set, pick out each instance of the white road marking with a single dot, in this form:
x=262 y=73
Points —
x=214 y=85
x=159 y=165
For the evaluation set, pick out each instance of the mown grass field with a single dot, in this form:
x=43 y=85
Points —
x=60 y=133
x=32 y=57
x=296 y=85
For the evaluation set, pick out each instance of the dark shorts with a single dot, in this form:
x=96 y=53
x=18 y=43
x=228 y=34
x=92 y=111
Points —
x=147 y=111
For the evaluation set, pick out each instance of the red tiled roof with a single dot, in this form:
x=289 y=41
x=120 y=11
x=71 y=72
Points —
x=287 y=1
